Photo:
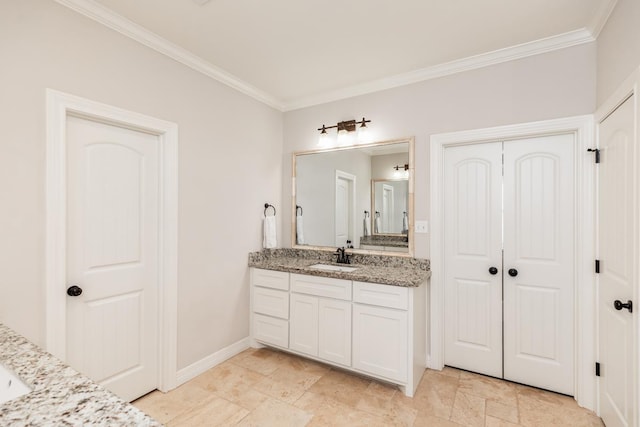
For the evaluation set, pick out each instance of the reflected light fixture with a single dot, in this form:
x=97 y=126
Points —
x=345 y=130
x=401 y=171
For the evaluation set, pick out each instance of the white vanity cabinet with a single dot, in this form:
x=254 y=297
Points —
x=374 y=329
x=320 y=318
x=270 y=307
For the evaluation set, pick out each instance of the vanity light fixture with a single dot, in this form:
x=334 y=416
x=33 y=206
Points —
x=344 y=131
x=401 y=171
x=398 y=167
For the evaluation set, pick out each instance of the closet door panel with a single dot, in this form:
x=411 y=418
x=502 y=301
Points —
x=538 y=262
x=473 y=233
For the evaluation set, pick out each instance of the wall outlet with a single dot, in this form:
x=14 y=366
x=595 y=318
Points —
x=422 y=227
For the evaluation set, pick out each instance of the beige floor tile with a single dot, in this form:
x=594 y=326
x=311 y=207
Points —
x=287 y=392
x=535 y=412
x=468 y=410
x=164 y=406
x=449 y=371
x=488 y=388
x=497 y=422
x=389 y=409
x=298 y=377
x=502 y=411
x=435 y=395
x=334 y=413
x=341 y=386
x=250 y=399
x=274 y=413
x=311 y=402
x=228 y=380
x=263 y=361
x=212 y=412
x=382 y=390
x=428 y=420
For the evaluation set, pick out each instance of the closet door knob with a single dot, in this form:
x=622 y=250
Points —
x=493 y=270
x=619 y=305
x=513 y=272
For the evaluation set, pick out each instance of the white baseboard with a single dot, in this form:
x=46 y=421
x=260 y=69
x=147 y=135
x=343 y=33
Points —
x=212 y=360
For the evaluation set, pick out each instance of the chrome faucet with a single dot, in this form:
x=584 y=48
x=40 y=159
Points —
x=343 y=257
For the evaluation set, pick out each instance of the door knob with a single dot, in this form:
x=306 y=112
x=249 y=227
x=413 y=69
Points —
x=493 y=270
x=619 y=305
x=74 y=291
x=513 y=272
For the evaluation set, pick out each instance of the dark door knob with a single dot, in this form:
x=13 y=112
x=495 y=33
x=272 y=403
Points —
x=493 y=270
x=513 y=272
x=74 y=291
x=619 y=305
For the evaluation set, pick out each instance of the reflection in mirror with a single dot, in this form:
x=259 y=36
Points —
x=391 y=203
x=354 y=197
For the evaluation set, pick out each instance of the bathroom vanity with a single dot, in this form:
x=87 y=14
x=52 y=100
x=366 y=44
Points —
x=367 y=317
x=56 y=394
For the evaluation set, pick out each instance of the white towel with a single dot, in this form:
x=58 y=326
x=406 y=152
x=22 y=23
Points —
x=367 y=227
x=299 y=230
x=377 y=225
x=405 y=224
x=269 y=239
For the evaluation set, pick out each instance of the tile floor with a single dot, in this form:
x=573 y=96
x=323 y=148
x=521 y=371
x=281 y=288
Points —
x=270 y=388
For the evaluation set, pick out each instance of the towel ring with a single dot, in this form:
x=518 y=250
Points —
x=366 y=214
x=377 y=214
x=297 y=207
x=267 y=206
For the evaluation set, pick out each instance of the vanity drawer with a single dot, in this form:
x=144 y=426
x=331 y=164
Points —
x=271 y=302
x=270 y=330
x=270 y=279
x=321 y=286
x=381 y=295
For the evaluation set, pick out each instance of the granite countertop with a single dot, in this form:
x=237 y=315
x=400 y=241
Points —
x=387 y=270
x=61 y=396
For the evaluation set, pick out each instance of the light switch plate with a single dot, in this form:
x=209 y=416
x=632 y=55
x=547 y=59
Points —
x=422 y=227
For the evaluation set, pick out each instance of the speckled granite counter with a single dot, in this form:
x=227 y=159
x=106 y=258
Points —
x=61 y=396
x=385 y=240
x=388 y=270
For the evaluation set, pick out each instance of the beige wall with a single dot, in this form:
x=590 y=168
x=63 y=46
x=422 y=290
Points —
x=547 y=86
x=230 y=150
x=618 y=47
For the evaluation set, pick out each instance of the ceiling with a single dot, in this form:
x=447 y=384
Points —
x=295 y=53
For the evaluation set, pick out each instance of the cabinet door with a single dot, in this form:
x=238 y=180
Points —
x=335 y=331
x=303 y=325
x=380 y=341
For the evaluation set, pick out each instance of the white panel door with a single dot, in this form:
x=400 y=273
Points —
x=387 y=208
x=112 y=255
x=616 y=249
x=539 y=262
x=303 y=324
x=334 y=331
x=473 y=244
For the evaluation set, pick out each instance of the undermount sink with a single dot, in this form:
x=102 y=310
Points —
x=11 y=387
x=339 y=268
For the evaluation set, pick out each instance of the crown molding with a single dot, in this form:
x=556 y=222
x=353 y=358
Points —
x=109 y=18
x=601 y=16
x=523 y=50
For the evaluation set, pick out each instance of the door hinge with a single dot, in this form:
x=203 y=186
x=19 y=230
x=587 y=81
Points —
x=597 y=369
x=597 y=266
x=597 y=151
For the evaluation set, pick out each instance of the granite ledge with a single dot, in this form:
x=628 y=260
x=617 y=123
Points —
x=61 y=396
x=387 y=270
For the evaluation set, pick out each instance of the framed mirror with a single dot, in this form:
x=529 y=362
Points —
x=358 y=197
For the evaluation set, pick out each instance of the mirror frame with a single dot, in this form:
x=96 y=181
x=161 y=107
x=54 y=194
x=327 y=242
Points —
x=411 y=142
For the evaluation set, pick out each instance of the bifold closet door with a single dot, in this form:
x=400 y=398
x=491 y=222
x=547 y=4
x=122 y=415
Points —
x=539 y=262
x=472 y=245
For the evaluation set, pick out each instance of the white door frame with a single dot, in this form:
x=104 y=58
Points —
x=59 y=107
x=585 y=301
x=630 y=87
